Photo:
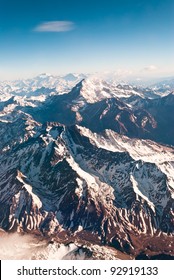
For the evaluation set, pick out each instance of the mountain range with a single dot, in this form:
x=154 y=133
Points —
x=89 y=162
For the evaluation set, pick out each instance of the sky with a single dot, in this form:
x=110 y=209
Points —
x=126 y=37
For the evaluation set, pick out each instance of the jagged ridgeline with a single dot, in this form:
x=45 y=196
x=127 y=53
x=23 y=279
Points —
x=88 y=161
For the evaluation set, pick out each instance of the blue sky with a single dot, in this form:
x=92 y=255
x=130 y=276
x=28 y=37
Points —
x=129 y=37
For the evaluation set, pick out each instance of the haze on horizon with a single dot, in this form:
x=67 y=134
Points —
x=130 y=38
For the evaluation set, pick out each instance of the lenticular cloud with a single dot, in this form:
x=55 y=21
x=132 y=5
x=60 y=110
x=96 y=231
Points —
x=55 y=26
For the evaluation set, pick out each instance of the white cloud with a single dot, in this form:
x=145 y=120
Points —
x=54 y=26
x=123 y=72
x=150 y=68
x=118 y=73
x=15 y=246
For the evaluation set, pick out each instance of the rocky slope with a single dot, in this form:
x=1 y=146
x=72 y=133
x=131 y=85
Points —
x=69 y=179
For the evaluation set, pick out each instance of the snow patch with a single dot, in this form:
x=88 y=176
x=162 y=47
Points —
x=139 y=193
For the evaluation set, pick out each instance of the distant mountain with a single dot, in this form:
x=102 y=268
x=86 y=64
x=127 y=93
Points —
x=166 y=85
x=73 y=77
x=43 y=83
